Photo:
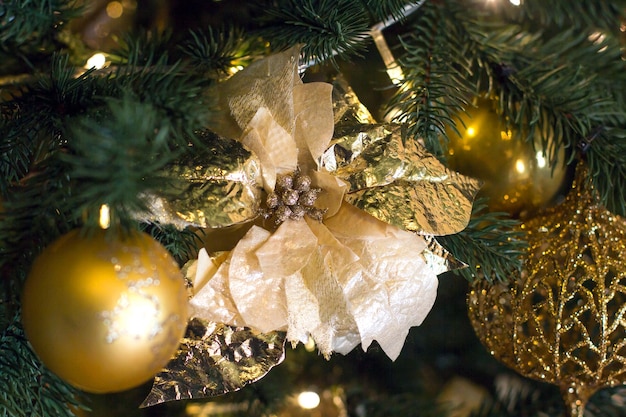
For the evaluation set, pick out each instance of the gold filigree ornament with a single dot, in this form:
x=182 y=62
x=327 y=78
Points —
x=563 y=321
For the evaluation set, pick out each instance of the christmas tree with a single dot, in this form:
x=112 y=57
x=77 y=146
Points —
x=309 y=171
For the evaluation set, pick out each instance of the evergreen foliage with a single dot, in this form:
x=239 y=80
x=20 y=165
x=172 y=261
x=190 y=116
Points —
x=27 y=388
x=73 y=139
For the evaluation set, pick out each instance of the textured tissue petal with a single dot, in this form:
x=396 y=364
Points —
x=274 y=146
x=288 y=250
x=334 y=190
x=336 y=323
x=213 y=301
x=314 y=121
x=264 y=83
x=395 y=289
x=259 y=297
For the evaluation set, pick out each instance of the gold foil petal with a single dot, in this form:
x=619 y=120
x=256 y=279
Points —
x=347 y=108
x=215 y=187
x=214 y=359
x=399 y=182
x=438 y=258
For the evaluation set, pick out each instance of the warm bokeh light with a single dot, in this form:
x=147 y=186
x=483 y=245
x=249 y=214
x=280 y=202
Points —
x=235 y=69
x=115 y=10
x=96 y=61
x=515 y=2
x=471 y=132
x=520 y=167
x=308 y=400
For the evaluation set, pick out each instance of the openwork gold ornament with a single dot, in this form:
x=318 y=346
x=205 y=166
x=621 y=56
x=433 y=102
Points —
x=563 y=322
x=214 y=359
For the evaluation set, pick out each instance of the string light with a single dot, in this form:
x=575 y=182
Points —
x=105 y=216
x=308 y=400
x=97 y=61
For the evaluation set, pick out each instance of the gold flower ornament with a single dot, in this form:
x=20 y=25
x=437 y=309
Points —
x=346 y=254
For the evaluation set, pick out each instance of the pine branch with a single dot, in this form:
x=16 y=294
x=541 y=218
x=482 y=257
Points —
x=143 y=48
x=115 y=158
x=31 y=124
x=490 y=245
x=216 y=52
x=554 y=94
x=29 y=32
x=176 y=94
x=435 y=86
x=27 y=388
x=607 y=167
x=384 y=9
x=328 y=29
x=580 y=14
x=32 y=21
x=182 y=244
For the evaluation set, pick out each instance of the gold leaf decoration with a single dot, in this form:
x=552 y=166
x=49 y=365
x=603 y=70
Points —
x=214 y=359
x=563 y=321
x=398 y=181
x=216 y=186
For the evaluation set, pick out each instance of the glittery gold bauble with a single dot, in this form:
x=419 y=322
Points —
x=517 y=177
x=563 y=321
x=104 y=313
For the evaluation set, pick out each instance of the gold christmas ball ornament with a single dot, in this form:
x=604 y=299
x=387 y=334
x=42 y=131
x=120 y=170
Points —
x=105 y=313
x=563 y=321
x=517 y=177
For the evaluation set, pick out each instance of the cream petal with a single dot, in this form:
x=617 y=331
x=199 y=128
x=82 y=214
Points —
x=259 y=297
x=288 y=249
x=333 y=192
x=252 y=140
x=274 y=146
x=313 y=110
x=214 y=301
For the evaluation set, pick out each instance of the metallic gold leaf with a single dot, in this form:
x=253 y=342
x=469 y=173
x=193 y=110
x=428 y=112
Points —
x=398 y=181
x=214 y=359
x=347 y=108
x=438 y=257
x=216 y=186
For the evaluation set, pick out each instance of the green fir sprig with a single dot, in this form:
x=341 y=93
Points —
x=436 y=85
x=27 y=388
x=327 y=29
x=492 y=246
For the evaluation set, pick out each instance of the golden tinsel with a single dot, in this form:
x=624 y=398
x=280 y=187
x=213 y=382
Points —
x=563 y=321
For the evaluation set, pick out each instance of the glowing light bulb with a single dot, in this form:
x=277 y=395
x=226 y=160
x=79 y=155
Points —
x=105 y=216
x=96 y=61
x=308 y=400
x=520 y=167
x=515 y=2
x=471 y=132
